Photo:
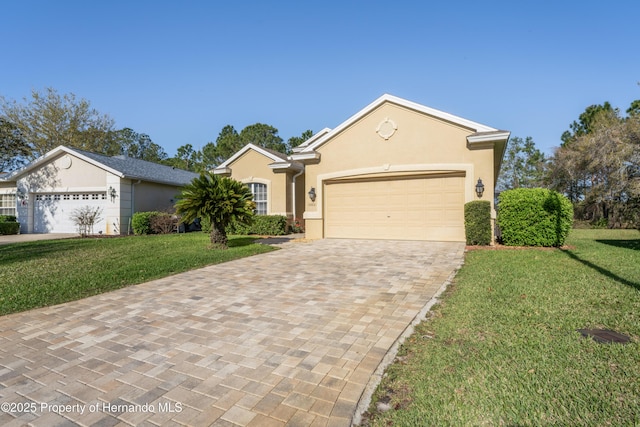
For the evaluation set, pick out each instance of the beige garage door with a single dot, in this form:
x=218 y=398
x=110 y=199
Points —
x=424 y=208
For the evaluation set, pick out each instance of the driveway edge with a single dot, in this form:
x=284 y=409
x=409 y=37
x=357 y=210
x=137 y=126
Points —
x=388 y=359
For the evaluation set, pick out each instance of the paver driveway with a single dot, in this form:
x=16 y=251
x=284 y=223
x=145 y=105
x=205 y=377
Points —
x=289 y=337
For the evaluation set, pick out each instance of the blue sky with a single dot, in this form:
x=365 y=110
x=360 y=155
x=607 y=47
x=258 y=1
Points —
x=181 y=70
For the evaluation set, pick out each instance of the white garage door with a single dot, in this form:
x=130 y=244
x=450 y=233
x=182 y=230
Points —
x=408 y=208
x=52 y=213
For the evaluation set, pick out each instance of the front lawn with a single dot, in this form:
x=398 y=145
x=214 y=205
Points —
x=48 y=272
x=502 y=348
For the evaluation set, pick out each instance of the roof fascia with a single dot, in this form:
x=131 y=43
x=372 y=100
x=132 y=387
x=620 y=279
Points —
x=311 y=140
x=495 y=136
x=281 y=165
x=306 y=155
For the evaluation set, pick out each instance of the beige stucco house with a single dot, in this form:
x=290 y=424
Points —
x=44 y=194
x=393 y=170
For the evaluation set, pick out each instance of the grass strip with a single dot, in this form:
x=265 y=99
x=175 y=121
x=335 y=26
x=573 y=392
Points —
x=48 y=272
x=502 y=348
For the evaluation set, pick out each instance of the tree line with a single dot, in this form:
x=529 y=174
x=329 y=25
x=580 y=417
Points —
x=31 y=128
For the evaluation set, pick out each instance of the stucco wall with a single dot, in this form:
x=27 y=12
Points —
x=254 y=167
x=64 y=173
x=148 y=196
x=420 y=143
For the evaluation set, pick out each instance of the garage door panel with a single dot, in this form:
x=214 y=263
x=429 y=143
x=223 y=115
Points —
x=410 y=209
x=52 y=213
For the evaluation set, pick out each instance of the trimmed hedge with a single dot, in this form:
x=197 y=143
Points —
x=9 y=227
x=477 y=222
x=269 y=225
x=8 y=218
x=534 y=217
x=141 y=222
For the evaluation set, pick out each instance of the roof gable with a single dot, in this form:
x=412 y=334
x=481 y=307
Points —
x=473 y=127
x=271 y=154
x=121 y=166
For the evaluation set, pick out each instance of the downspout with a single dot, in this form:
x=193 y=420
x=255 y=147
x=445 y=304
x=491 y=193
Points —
x=293 y=187
x=133 y=203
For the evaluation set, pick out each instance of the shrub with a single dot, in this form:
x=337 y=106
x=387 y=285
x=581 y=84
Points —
x=141 y=222
x=163 y=223
x=9 y=227
x=600 y=223
x=477 y=222
x=296 y=226
x=271 y=225
x=8 y=218
x=85 y=218
x=534 y=217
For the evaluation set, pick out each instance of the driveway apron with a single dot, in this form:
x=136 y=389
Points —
x=292 y=337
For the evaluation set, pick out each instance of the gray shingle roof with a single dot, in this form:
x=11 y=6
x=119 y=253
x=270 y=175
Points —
x=141 y=169
x=275 y=153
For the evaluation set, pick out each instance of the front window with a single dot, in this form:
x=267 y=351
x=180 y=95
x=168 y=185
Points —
x=8 y=204
x=259 y=196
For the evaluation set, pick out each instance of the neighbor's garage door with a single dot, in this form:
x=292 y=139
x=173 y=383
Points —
x=422 y=208
x=52 y=212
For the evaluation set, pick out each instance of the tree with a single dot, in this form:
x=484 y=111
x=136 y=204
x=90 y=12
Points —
x=584 y=125
x=139 y=146
x=49 y=120
x=600 y=169
x=523 y=165
x=634 y=108
x=186 y=158
x=209 y=157
x=227 y=143
x=220 y=200
x=263 y=136
x=14 y=149
x=295 y=141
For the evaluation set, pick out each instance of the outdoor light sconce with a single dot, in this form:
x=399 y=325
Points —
x=479 y=188
x=312 y=194
x=22 y=196
x=112 y=192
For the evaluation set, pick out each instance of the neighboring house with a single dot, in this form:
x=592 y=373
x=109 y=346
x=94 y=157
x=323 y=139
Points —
x=45 y=193
x=394 y=170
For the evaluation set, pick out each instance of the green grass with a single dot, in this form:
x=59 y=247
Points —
x=502 y=348
x=49 y=272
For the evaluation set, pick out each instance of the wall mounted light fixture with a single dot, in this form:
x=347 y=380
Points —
x=23 y=197
x=479 y=188
x=312 y=194
x=112 y=192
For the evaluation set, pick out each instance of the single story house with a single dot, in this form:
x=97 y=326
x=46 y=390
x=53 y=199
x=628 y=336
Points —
x=44 y=194
x=393 y=170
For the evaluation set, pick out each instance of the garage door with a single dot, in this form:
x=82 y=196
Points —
x=52 y=213
x=409 y=208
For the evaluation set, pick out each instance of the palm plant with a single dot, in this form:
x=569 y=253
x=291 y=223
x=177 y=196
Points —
x=220 y=200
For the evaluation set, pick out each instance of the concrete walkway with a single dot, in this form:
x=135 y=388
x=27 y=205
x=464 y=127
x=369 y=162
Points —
x=292 y=337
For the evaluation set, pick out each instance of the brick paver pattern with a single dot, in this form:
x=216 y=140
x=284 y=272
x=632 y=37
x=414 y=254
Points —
x=286 y=338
